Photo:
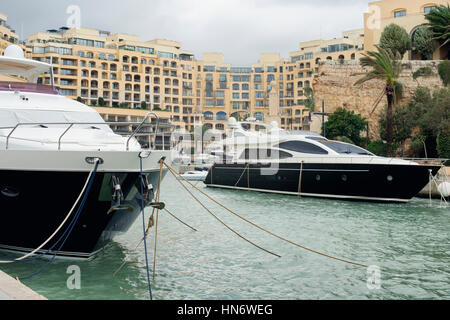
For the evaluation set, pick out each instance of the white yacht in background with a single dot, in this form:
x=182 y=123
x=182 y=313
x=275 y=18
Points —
x=49 y=145
x=307 y=164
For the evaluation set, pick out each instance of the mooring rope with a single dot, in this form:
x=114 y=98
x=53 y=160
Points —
x=158 y=193
x=149 y=284
x=216 y=217
x=178 y=219
x=300 y=180
x=257 y=226
x=69 y=229
x=142 y=240
x=242 y=175
x=25 y=257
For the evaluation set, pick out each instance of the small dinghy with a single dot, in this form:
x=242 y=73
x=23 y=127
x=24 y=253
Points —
x=195 y=175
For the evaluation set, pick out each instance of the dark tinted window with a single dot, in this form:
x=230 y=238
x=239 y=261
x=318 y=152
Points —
x=302 y=146
x=317 y=138
x=264 y=154
x=344 y=148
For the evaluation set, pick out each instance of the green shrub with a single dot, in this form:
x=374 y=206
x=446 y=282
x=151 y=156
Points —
x=345 y=139
x=378 y=148
x=101 y=102
x=423 y=72
x=396 y=39
x=444 y=71
x=443 y=143
x=424 y=43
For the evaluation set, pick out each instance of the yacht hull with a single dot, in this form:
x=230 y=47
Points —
x=34 y=203
x=364 y=182
x=39 y=188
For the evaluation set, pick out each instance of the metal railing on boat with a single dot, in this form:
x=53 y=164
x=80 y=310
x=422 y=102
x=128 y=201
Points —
x=140 y=125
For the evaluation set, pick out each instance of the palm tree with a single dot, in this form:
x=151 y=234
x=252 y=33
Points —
x=309 y=101
x=386 y=67
x=439 y=22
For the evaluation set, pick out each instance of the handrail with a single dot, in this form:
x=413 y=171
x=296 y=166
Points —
x=72 y=124
x=141 y=125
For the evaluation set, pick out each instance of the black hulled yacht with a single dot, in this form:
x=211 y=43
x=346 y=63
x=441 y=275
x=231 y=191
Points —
x=309 y=165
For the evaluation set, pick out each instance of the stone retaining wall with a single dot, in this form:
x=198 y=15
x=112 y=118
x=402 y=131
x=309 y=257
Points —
x=335 y=84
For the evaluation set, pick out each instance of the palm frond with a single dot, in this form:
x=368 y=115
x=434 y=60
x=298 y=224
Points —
x=384 y=66
x=439 y=22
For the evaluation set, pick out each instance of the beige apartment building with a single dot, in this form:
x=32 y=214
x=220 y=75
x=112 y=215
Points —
x=409 y=14
x=7 y=35
x=302 y=68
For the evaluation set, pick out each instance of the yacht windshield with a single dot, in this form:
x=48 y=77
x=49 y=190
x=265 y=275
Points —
x=9 y=118
x=345 y=148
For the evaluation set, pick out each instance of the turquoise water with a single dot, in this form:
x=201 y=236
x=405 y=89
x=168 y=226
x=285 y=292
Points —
x=408 y=242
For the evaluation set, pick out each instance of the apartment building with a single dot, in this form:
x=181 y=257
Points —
x=124 y=77
x=7 y=34
x=409 y=14
x=119 y=71
x=301 y=70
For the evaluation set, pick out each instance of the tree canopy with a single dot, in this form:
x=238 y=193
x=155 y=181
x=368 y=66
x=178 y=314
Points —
x=396 y=39
x=424 y=42
x=345 y=123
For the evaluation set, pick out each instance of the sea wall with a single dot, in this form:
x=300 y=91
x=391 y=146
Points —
x=335 y=83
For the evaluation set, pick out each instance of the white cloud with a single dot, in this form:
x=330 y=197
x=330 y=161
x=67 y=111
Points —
x=241 y=29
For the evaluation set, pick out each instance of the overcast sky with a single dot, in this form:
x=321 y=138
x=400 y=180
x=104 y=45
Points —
x=241 y=29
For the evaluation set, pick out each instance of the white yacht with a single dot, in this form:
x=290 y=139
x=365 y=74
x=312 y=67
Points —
x=307 y=164
x=49 y=147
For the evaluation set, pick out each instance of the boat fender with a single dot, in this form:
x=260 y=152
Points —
x=444 y=189
x=148 y=189
x=117 y=190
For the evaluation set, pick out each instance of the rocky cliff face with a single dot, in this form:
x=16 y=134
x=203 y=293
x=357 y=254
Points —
x=335 y=84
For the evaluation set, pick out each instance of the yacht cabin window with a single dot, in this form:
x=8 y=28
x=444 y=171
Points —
x=345 y=148
x=302 y=147
x=264 y=154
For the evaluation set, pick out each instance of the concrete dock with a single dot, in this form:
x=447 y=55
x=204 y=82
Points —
x=12 y=289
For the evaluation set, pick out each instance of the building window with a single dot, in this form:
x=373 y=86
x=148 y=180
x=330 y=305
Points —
x=221 y=116
x=209 y=68
x=428 y=9
x=399 y=13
